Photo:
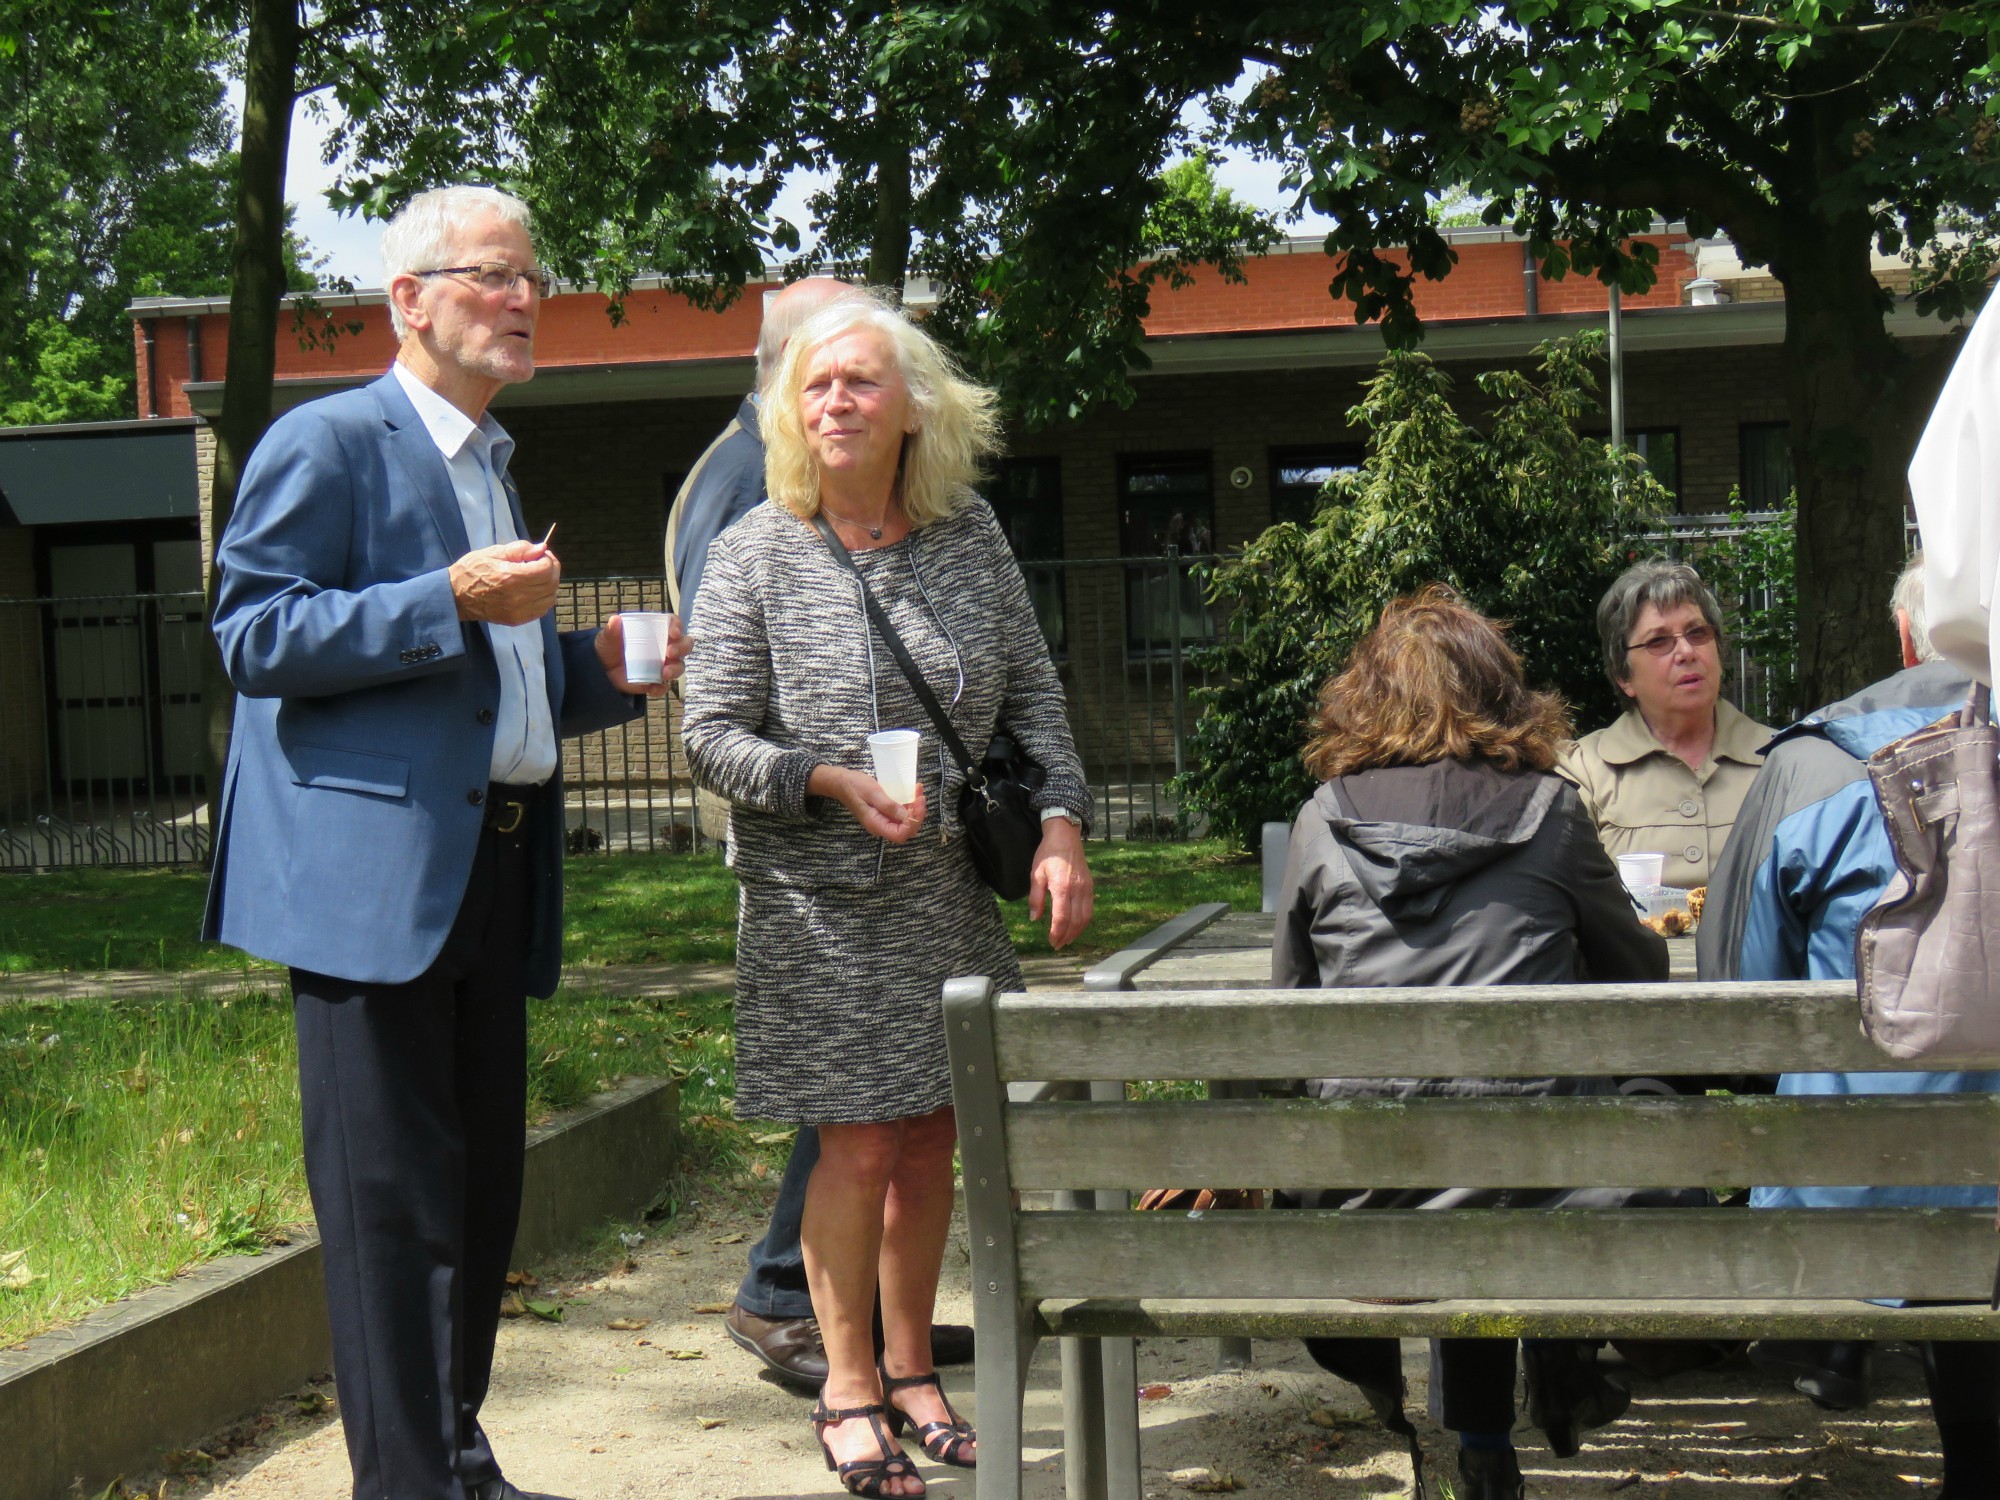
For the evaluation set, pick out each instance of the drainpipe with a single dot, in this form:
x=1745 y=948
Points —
x=148 y=331
x=1617 y=375
x=1531 y=282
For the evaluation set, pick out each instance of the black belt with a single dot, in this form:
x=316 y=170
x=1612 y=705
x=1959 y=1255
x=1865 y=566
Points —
x=506 y=806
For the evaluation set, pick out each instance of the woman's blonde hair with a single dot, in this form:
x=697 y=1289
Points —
x=1434 y=680
x=956 y=422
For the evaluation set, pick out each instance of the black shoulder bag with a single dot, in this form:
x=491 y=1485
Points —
x=1002 y=828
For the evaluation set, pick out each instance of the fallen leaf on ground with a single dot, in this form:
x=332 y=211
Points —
x=709 y=1424
x=523 y=1278
x=548 y=1312
x=511 y=1306
x=685 y=1353
x=711 y=1307
x=1155 y=1392
x=312 y=1403
x=731 y=1239
x=775 y=1138
x=760 y=1170
x=1319 y=1416
x=1206 y=1481
x=628 y=1325
x=14 y=1271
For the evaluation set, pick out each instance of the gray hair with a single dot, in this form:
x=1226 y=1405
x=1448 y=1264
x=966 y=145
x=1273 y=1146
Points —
x=421 y=235
x=1907 y=598
x=1662 y=584
x=785 y=310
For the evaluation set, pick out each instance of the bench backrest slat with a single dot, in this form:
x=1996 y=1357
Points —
x=1591 y=1142
x=1577 y=1030
x=1647 y=1254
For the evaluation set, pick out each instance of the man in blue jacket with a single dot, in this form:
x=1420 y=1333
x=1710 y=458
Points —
x=1805 y=862
x=391 y=823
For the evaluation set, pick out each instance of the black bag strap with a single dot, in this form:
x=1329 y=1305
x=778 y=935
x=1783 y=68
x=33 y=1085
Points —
x=973 y=775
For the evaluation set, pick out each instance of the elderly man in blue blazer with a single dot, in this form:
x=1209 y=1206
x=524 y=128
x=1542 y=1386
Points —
x=391 y=822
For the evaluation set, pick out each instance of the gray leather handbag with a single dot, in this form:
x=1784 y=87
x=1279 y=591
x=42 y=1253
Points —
x=1928 y=954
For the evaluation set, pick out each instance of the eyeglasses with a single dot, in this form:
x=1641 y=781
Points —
x=496 y=277
x=1662 y=644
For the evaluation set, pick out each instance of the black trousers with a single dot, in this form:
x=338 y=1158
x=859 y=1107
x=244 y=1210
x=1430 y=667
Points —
x=414 y=1101
x=1472 y=1380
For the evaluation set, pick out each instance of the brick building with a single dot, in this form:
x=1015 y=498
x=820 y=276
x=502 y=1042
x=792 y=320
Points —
x=1240 y=416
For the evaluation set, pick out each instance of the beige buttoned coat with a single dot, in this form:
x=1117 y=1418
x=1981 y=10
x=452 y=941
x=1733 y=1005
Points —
x=1645 y=799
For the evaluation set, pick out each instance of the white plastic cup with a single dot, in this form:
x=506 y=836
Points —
x=1640 y=872
x=645 y=644
x=895 y=753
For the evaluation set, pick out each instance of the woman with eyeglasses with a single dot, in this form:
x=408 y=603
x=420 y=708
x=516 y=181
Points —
x=1667 y=777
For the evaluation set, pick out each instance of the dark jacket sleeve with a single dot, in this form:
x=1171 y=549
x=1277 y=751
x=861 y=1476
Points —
x=1614 y=948
x=1294 y=965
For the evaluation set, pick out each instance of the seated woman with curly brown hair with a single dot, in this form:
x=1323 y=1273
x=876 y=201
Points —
x=1442 y=849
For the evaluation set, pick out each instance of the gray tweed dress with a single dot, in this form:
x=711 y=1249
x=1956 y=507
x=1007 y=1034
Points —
x=844 y=942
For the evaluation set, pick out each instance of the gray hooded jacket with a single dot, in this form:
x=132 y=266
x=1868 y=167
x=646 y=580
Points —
x=1454 y=873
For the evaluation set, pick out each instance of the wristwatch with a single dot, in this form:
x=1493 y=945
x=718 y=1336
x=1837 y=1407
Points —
x=1063 y=812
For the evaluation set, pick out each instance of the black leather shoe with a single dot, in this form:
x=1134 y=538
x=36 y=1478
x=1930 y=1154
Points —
x=1834 y=1374
x=1568 y=1394
x=789 y=1347
x=501 y=1489
x=1489 y=1474
x=951 y=1344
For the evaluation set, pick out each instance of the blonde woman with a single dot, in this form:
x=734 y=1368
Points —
x=856 y=908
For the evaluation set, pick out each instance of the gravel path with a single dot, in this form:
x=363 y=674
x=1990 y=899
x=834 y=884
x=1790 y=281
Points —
x=674 y=1409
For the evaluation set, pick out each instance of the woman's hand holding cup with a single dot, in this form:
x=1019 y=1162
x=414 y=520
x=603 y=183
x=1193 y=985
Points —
x=875 y=810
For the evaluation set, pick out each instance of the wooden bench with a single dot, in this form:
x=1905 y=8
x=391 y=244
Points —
x=1077 y=1272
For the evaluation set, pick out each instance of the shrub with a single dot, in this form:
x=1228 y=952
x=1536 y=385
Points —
x=1527 y=520
x=1752 y=568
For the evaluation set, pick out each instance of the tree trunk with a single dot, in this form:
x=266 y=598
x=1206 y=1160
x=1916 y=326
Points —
x=889 y=249
x=270 y=78
x=1854 y=402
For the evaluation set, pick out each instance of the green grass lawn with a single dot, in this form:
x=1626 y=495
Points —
x=622 y=909
x=138 y=1139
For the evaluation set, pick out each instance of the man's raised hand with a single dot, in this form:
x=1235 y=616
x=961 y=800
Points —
x=508 y=584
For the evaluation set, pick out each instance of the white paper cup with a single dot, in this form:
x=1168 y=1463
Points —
x=645 y=644
x=895 y=752
x=1641 y=871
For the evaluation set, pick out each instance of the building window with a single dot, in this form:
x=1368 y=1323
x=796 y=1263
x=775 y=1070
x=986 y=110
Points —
x=1026 y=496
x=1298 y=475
x=1764 y=467
x=1166 y=510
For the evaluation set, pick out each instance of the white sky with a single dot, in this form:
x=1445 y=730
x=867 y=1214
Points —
x=352 y=243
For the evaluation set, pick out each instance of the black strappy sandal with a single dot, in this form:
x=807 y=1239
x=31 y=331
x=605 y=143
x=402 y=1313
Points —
x=864 y=1476
x=946 y=1442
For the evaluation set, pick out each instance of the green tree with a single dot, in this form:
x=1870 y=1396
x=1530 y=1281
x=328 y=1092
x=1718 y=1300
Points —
x=116 y=185
x=1808 y=131
x=1527 y=520
x=1023 y=179
x=1012 y=152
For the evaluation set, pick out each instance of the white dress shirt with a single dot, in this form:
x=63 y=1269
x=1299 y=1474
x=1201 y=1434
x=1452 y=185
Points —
x=476 y=453
x=1955 y=484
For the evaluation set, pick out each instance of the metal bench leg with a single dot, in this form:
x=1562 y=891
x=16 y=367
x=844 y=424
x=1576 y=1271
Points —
x=1083 y=1399
x=1083 y=1419
x=1232 y=1354
x=1120 y=1375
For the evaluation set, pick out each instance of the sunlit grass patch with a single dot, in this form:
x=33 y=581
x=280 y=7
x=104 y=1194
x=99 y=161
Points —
x=139 y=1139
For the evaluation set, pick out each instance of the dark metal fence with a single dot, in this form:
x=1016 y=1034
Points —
x=100 y=713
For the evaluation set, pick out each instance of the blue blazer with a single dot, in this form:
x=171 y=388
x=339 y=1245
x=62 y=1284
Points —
x=350 y=810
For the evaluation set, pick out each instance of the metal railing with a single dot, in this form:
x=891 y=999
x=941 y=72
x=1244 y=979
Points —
x=100 y=714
